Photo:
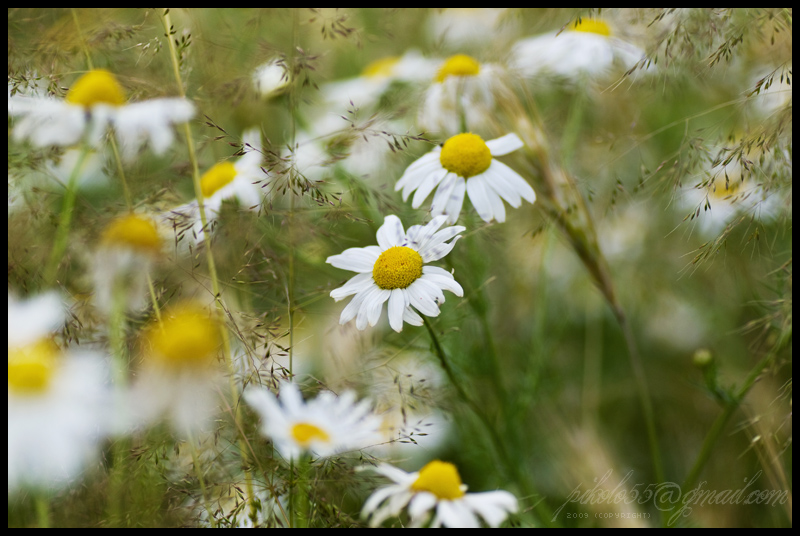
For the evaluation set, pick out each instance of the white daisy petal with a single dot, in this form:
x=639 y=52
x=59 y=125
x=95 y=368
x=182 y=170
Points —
x=390 y=234
x=355 y=285
x=477 y=194
x=505 y=144
x=427 y=186
x=397 y=304
x=519 y=184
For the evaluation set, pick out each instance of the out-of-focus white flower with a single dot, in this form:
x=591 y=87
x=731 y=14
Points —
x=585 y=48
x=271 y=78
x=394 y=272
x=466 y=164
x=366 y=89
x=725 y=194
x=469 y=27
x=240 y=180
x=94 y=103
x=325 y=426
x=57 y=401
x=437 y=487
x=462 y=96
x=180 y=375
x=128 y=246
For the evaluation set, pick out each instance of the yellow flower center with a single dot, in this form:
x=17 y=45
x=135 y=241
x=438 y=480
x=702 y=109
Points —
x=134 y=232
x=441 y=479
x=458 y=65
x=31 y=367
x=397 y=267
x=723 y=188
x=380 y=68
x=305 y=433
x=592 y=26
x=465 y=155
x=217 y=177
x=96 y=87
x=185 y=338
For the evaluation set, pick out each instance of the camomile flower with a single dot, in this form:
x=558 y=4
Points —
x=180 y=371
x=57 y=399
x=587 y=47
x=127 y=248
x=469 y=27
x=462 y=95
x=394 y=271
x=436 y=487
x=271 y=78
x=466 y=164
x=324 y=426
x=239 y=180
x=376 y=78
x=95 y=102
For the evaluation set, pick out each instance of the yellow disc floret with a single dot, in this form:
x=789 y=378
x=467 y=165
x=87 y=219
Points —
x=458 y=65
x=305 y=433
x=466 y=155
x=592 y=26
x=132 y=232
x=96 y=87
x=441 y=479
x=380 y=68
x=397 y=267
x=31 y=367
x=215 y=178
x=185 y=338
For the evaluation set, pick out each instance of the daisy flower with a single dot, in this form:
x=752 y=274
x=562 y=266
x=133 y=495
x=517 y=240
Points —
x=325 y=426
x=438 y=487
x=239 y=180
x=179 y=374
x=466 y=164
x=395 y=271
x=460 y=27
x=376 y=78
x=57 y=400
x=271 y=78
x=585 y=47
x=128 y=246
x=95 y=102
x=462 y=93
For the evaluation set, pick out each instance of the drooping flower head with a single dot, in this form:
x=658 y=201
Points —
x=128 y=246
x=326 y=425
x=395 y=271
x=462 y=94
x=586 y=47
x=465 y=164
x=436 y=487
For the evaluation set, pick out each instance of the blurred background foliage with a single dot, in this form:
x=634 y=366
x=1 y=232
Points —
x=532 y=340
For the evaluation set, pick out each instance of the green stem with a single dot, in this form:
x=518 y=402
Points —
x=511 y=466
x=43 y=510
x=65 y=220
x=212 y=269
x=201 y=480
x=718 y=426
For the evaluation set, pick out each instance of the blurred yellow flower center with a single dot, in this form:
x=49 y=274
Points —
x=133 y=232
x=381 y=68
x=186 y=338
x=723 y=188
x=441 y=479
x=305 y=433
x=465 y=155
x=31 y=367
x=458 y=65
x=397 y=267
x=217 y=177
x=96 y=87
x=592 y=26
